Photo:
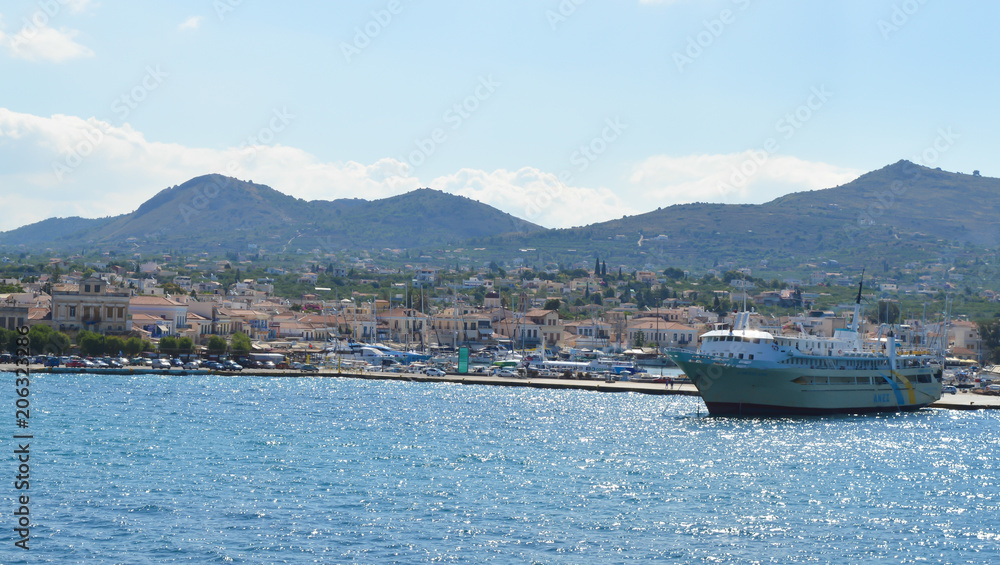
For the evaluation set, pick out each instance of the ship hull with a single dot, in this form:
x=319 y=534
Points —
x=737 y=387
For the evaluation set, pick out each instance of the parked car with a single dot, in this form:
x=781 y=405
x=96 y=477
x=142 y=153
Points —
x=434 y=372
x=214 y=365
x=949 y=390
x=52 y=362
x=75 y=363
x=231 y=365
x=161 y=364
x=268 y=365
x=992 y=389
x=192 y=365
x=309 y=368
x=507 y=373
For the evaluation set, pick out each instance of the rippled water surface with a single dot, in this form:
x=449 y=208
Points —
x=150 y=469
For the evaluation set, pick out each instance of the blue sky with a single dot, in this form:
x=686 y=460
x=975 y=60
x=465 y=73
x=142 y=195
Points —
x=560 y=112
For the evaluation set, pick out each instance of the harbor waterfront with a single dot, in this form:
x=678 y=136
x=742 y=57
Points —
x=961 y=401
x=247 y=469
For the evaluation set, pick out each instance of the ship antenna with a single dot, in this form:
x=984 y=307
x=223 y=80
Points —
x=860 y=286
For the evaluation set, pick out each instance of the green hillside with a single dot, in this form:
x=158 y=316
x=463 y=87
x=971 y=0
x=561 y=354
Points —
x=900 y=213
x=213 y=213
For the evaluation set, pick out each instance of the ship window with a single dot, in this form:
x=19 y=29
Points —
x=751 y=358
x=842 y=380
x=863 y=380
x=756 y=340
x=923 y=378
x=741 y=356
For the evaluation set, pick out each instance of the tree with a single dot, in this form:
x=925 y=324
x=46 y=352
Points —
x=91 y=344
x=8 y=340
x=640 y=339
x=240 y=343
x=552 y=304
x=597 y=266
x=604 y=268
x=44 y=341
x=185 y=345
x=114 y=345
x=133 y=346
x=168 y=344
x=10 y=288
x=217 y=344
x=886 y=312
x=989 y=333
x=673 y=273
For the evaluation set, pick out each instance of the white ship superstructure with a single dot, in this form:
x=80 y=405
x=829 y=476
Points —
x=746 y=371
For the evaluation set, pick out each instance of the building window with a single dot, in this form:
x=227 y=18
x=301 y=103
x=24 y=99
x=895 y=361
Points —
x=86 y=288
x=72 y=311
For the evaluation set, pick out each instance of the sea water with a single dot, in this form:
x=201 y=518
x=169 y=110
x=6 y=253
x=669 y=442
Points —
x=157 y=469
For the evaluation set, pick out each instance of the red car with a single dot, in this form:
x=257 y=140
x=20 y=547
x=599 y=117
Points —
x=74 y=363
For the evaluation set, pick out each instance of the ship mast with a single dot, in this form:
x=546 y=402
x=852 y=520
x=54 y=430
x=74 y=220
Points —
x=857 y=304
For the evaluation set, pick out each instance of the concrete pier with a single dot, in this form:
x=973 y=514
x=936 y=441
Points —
x=960 y=401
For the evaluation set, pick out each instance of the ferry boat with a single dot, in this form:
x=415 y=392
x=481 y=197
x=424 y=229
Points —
x=743 y=371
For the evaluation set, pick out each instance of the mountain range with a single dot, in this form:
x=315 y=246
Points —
x=902 y=212
x=214 y=212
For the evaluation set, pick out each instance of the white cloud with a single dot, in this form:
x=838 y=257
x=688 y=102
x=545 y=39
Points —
x=190 y=24
x=44 y=44
x=747 y=177
x=66 y=165
x=536 y=196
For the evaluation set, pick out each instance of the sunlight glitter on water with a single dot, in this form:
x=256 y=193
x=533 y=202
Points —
x=332 y=470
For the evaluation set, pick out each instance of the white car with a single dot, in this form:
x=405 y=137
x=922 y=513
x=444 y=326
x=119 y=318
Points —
x=507 y=373
x=161 y=364
x=434 y=372
x=192 y=365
